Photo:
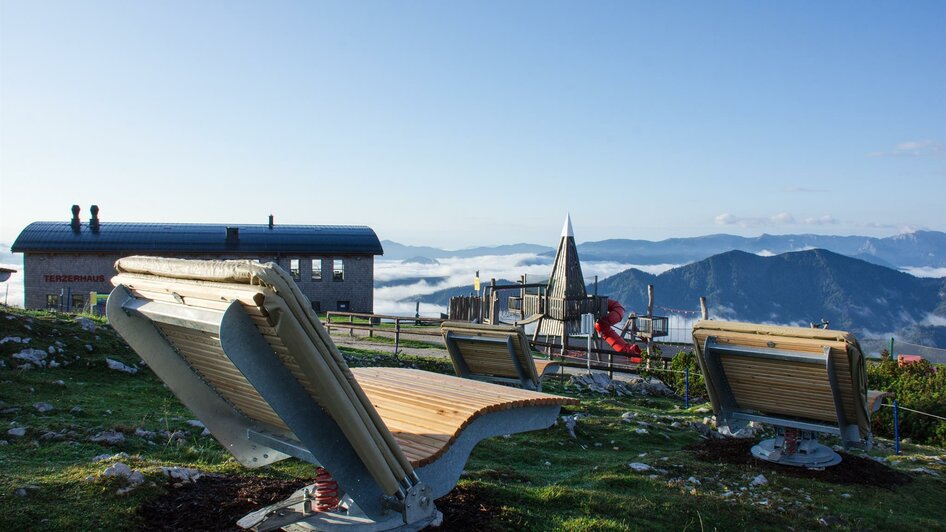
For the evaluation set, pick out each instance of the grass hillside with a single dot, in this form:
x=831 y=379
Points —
x=635 y=463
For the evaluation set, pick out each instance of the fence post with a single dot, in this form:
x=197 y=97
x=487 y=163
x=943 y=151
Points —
x=686 y=387
x=896 y=427
x=351 y=319
x=397 y=335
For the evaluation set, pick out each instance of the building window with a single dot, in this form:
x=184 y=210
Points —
x=317 y=306
x=338 y=270
x=316 y=269
x=294 y=269
x=343 y=306
x=78 y=303
x=52 y=301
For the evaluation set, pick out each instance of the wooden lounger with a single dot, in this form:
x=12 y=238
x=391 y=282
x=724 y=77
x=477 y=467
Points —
x=495 y=353
x=238 y=344
x=804 y=381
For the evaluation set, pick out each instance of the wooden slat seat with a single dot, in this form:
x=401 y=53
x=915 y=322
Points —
x=793 y=374
x=431 y=409
x=495 y=353
x=237 y=342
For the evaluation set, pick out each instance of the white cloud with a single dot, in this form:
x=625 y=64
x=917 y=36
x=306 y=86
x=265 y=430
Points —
x=933 y=319
x=460 y=271
x=924 y=271
x=782 y=218
x=914 y=148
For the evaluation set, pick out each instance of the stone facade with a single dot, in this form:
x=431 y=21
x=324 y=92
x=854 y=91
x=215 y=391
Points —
x=49 y=277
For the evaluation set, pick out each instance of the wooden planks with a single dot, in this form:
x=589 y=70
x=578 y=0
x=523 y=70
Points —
x=426 y=411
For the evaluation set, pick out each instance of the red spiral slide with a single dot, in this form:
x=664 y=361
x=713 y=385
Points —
x=603 y=327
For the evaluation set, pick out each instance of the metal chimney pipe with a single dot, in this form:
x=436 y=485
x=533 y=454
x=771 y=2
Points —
x=94 y=222
x=76 y=223
x=270 y=221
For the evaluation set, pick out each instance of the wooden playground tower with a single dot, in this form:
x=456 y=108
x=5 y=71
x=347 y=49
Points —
x=556 y=308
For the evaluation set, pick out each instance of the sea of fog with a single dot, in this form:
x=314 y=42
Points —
x=390 y=297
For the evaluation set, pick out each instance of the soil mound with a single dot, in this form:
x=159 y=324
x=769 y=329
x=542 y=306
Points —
x=851 y=470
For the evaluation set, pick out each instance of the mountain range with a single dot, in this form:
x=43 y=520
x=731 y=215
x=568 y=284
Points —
x=796 y=288
x=917 y=249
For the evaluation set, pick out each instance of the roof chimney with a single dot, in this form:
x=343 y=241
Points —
x=76 y=224
x=94 y=221
x=270 y=221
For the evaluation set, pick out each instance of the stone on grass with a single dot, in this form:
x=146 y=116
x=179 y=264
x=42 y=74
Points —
x=119 y=366
x=108 y=437
x=15 y=340
x=20 y=492
x=639 y=467
x=195 y=423
x=184 y=474
x=59 y=382
x=17 y=432
x=42 y=408
x=106 y=456
x=86 y=324
x=830 y=521
x=32 y=356
x=694 y=480
x=759 y=481
x=146 y=434
x=89 y=348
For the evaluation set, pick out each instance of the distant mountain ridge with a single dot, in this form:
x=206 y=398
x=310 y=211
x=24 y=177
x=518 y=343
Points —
x=917 y=249
x=794 y=288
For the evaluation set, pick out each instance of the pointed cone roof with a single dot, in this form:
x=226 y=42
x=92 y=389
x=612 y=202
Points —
x=566 y=280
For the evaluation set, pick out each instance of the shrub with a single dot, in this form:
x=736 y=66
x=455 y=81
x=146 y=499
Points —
x=676 y=378
x=920 y=386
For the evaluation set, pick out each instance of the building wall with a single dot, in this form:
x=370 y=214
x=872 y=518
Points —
x=52 y=274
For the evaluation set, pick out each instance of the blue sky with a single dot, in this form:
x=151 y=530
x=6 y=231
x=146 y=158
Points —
x=470 y=123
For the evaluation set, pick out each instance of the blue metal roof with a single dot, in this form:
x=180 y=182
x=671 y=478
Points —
x=151 y=238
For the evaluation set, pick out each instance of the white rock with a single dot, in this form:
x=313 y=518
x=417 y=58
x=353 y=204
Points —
x=639 y=467
x=641 y=431
x=759 y=481
x=118 y=366
x=846 y=495
x=20 y=492
x=694 y=480
x=43 y=407
x=119 y=469
x=17 y=432
x=108 y=437
x=32 y=356
x=142 y=433
x=195 y=423
x=89 y=348
x=59 y=382
x=15 y=340
x=182 y=473
x=86 y=324
x=51 y=349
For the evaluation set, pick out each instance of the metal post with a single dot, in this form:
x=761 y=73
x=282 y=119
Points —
x=896 y=424
x=892 y=357
x=351 y=319
x=686 y=387
x=397 y=335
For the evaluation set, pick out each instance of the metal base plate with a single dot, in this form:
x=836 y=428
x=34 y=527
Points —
x=814 y=456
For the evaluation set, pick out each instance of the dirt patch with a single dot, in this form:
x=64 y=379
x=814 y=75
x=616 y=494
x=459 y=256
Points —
x=214 y=502
x=469 y=508
x=851 y=470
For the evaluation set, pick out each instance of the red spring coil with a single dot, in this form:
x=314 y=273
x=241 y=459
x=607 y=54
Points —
x=791 y=441
x=326 y=491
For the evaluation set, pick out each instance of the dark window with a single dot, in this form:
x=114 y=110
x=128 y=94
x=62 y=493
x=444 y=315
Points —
x=78 y=302
x=316 y=269
x=294 y=269
x=52 y=301
x=343 y=306
x=338 y=270
x=317 y=307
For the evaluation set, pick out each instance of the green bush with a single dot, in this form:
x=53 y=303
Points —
x=676 y=377
x=920 y=386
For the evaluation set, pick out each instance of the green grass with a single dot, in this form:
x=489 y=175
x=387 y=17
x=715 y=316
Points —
x=536 y=481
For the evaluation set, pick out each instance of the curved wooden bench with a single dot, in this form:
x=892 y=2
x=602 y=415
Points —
x=495 y=353
x=267 y=381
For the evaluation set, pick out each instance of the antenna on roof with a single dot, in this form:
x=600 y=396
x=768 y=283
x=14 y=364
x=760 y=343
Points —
x=76 y=223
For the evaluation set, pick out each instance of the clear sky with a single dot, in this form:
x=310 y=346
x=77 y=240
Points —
x=466 y=123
